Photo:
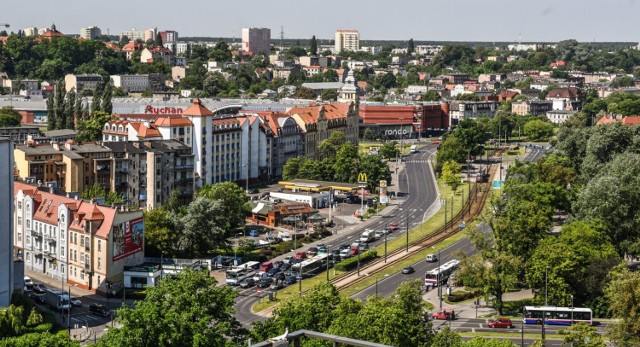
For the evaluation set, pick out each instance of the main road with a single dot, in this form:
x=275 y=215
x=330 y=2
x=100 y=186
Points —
x=418 y=189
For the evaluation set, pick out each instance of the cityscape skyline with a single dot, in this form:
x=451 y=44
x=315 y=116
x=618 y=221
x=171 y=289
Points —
x=438 y=20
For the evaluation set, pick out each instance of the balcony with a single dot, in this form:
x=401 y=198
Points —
x=49 y=253
x=184 y=166
x=36 y=232
x=185 y=181
x=122 y=170
x=49 y=238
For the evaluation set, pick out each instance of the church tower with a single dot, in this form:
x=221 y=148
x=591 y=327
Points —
x=349 y=91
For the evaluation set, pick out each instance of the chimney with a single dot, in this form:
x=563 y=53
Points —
x=67 y=146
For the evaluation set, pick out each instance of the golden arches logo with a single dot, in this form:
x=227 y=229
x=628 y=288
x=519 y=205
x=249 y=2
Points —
x=362 y=177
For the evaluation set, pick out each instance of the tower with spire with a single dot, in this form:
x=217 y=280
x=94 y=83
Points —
x=349 y=91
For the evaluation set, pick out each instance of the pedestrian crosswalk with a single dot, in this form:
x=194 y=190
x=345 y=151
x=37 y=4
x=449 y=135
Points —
x=417 y=161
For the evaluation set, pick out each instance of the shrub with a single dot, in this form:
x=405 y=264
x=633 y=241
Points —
x=352 y=263
x=457 y=297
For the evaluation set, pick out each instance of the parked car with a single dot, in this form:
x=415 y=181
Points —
x=287 y=259
x=312 y=251
x=393 y=226
x=435 y=142
x=99 y=310
x=300 y=255
x=278 y=263
x=247 y=282
x=266 y=266
x=75 y=302
x=500 y=322
x=285 y=267
x=378 y=234
x=345 y=253
x=335 y=254
x=444 y=314
x=39 y=298
x=28 y=283
x=290 y=280
x=265 y=282
x=39 y=288
x=273 y=272
x=253 y=191
x=408 y=270
x=254 y=233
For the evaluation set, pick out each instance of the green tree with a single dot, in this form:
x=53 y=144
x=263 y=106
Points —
x=538 y=130
x=304 y=93
x=44 y=339
x=105 y=101
x=329 y=147
x=376 y=170
x=70 y=109
x=410 y=47
x=623 y=293
x=313 y=46
x=583 y=335
x=90 y=129
x=430 y=95
x=59 y=105
x=389 y=150
x=368 y=135
x=190 y=310
x=51 y=116
x=451 y=174
x=346 y=163
x=447 y=338
x=292 y=167
x=452 y=148
x=622 y=81
x=329 y=94
x=233 y=199
x=471 y=137
x=9 y=117
x=203 y=228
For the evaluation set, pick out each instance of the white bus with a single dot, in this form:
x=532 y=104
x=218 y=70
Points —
x=557 y=315
x=238 y=273
x=310 y=266
x=441 y=274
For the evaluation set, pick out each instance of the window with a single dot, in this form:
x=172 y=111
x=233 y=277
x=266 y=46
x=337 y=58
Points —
x=82 y=274
x=62 y=254
x=19 y=221
x=99 y=264
x=99 y=245
x=19 y=205
x=81 y=241
x=20 y=237
x=28 y=239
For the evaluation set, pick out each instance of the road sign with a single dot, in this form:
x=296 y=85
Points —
x=259 y=291
x=497 y=184
x=383 y=183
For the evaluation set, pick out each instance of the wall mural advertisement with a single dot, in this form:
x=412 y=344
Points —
x=128 y=238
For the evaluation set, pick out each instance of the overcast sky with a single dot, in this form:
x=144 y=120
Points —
x=438 y=20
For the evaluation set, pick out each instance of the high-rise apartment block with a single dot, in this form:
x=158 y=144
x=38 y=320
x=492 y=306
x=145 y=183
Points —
x=90 y=33
x=347 y=40
x=6 y=227
x=169 y=36
x=256 y=40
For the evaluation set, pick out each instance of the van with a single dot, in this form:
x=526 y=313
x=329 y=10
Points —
x=367 y=236
x=431 y=258
x=413 y=149
x=266 y=266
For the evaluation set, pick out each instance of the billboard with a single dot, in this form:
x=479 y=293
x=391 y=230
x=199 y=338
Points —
x=383 y=192
x=128 y=238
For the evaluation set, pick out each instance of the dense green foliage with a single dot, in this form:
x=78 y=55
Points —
x=9 y=117
x=351 y=263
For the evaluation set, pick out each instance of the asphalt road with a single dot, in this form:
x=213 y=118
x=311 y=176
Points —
x=416 y=181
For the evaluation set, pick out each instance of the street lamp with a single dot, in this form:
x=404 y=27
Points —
x=444 y=203
x=468 y=185
x=247 y=180
x=546 y=274
x=385 y=245
x=69 y=311
x=438 y=282
x=572 y=309
x=407 y=222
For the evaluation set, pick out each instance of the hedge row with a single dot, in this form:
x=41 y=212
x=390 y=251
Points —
x=465 y=296
x=351 y=263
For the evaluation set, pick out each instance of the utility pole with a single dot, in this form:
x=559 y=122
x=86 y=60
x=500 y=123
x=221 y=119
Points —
x=407 y=221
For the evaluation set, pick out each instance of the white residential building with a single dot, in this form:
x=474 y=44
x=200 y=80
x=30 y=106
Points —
x=131 y=83
x=31 y=31
x=90 y=33
x=347 y=40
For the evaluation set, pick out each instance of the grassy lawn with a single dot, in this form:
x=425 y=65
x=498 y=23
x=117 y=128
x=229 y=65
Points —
x=426 y=228
x=365 y=146
x=511 y=334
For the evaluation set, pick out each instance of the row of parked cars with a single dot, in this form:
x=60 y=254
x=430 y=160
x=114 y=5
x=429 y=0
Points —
x=37 y=291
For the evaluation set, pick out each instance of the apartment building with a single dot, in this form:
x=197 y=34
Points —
x=459 y=110
x=533 y=107
x=256 y=40
x=90 y=33
x=77 y=241
x=131 y=83
x=82 y=81
x=288 y=139
x=147 y=172
x=169 y=36
x=68 y=166
x=153 y=54
x=347 y=40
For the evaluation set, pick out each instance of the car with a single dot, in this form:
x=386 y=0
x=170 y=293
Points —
x=386 y=231
x=432 y=258
x=321 y=245
x=75 y=302
x=393 y=226
x=288 y=259
x=344 y=247
x=265 y=282
x=312 y=251
x=280 y=276
x=273 y=272
x=285 y=267
x=290 y=280
x=378 y=234
x=408 y=270
x=300 y=255
x=247 y=282
x=444 y=314
x=99 y=310
x=500 y=322
x=345 y=253
x=39 y=298
x=254 y=233
x=278 y=263
x=436 y=142
x=335 y=254
x=322 y=251
x=253 y=191
x=39 y=288
x=28 y=282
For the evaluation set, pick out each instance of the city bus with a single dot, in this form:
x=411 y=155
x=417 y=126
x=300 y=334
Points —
x=310 y=266
x=238 y=273
x=557 y=315
x=441 y=274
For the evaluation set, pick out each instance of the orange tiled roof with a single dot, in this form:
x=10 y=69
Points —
x=172 y=122
x=197 y=110
x=631 y=120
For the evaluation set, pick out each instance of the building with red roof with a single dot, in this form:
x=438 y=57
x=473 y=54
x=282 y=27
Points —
x=76 y=241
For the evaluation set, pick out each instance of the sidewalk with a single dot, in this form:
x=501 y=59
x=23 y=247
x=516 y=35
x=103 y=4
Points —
x=467 y=309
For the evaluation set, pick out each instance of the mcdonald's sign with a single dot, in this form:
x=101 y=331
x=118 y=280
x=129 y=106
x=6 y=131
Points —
x=362 y=179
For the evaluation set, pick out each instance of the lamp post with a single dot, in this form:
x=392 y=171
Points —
x=571 y=309
x=522 y=329
x=438 y=283
x=69 y=312
x=444 y=203
x=407 y=223
x=546 y=274
x=247 y=179
x=385 y=245
x=468 y=186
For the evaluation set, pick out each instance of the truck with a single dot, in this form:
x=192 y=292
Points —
x=57 y=299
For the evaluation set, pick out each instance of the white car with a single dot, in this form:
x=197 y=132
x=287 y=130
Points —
x=28 y=282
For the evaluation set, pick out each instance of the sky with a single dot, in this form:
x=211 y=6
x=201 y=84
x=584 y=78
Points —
x=429 y=20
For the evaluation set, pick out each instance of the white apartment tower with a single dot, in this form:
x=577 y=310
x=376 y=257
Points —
x=347 y=40
x=256 y=40
x=90 y=33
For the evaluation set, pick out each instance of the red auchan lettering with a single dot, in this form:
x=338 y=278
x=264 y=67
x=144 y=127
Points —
x=162 y=110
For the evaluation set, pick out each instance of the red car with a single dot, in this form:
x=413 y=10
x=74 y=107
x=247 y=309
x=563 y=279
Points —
x=300 y=255
x=393 y=226
x=445 y=315
x=500 y=323
x=435 y=142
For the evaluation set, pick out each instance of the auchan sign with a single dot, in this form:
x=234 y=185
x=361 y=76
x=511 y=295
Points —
x=162 y=110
